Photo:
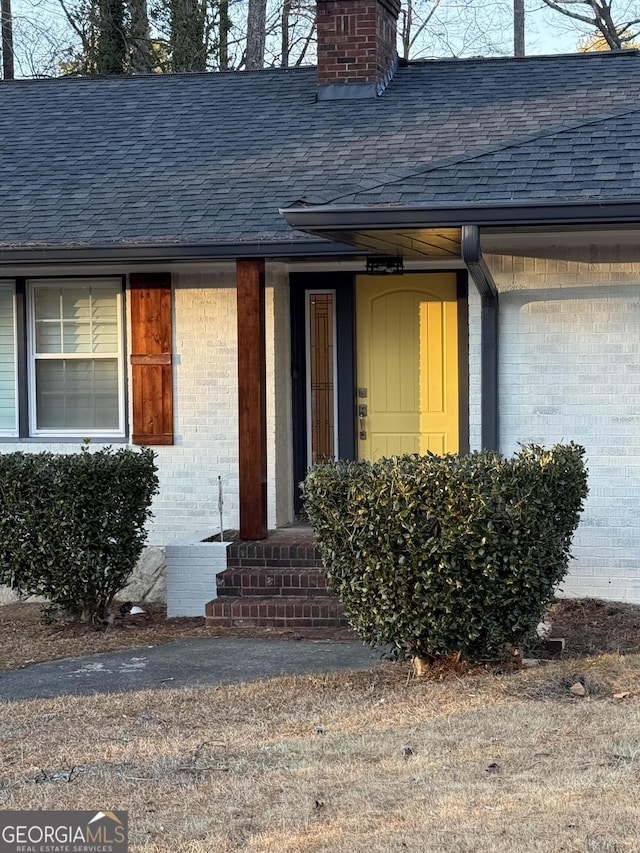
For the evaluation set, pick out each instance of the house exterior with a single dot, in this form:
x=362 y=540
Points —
x=253 y=271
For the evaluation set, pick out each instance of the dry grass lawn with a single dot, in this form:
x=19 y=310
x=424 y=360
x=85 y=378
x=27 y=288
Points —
x=371 y=762
x=359 y=762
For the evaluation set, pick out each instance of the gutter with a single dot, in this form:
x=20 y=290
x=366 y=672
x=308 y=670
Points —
x=151 y=253
x=329 y=217
x=480 y=273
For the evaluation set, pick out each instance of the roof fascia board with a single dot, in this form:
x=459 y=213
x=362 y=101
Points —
x=155 y=254
x=321 y=218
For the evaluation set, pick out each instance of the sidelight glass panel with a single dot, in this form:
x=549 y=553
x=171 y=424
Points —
x=321 y=367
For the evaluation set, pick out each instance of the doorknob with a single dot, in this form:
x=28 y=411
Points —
x=362 y=414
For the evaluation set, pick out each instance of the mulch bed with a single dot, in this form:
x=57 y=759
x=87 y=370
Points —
x=589 y=627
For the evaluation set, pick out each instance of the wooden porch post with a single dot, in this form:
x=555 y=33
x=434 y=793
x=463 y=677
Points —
x=252 y=405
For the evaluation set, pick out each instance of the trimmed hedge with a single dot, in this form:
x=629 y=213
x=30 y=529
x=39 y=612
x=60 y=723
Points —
x=435 y=555
x=72 y=526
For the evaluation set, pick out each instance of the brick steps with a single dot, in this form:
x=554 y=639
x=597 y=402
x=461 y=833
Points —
x=272 y=581
x=279 y=582
x=277 y=612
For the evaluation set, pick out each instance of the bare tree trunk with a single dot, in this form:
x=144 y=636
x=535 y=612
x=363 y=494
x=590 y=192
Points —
x=223 y=38
x=518 y=28
x=256 y=34
x=111 y=43
x=187 y=36
x=140 y=38
x=406 y=29
x=607 y=26
x=286 y=11
x=7 y=40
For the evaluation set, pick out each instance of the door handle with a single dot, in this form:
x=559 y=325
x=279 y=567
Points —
x=362 y=414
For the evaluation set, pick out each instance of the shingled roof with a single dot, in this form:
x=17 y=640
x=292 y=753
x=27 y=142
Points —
x=186 y=160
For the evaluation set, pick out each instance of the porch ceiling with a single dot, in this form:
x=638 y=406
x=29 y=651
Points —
x=407 y=243
x=433 y=231
x=607 y=244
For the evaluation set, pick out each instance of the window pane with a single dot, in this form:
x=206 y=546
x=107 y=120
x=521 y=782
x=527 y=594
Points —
x=76 y=319
x=7 y=361
x=48 y=335
x=75 y=303
x=78 y=394
x=104 y=319
x=76 y=337
x=48 y=327
x=47 y=303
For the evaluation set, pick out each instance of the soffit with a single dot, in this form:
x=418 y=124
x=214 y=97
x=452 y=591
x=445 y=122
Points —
x=610 y=244
x=407 y=243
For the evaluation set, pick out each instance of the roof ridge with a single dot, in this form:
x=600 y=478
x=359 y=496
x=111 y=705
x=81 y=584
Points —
x=412 y=63
x=542 y=57
x=476 y=154
x=174 y=75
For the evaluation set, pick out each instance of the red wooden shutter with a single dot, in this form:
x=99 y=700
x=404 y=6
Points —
x=151 y=362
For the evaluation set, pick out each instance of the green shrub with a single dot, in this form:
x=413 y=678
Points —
x=72 y=526
x=435 y=555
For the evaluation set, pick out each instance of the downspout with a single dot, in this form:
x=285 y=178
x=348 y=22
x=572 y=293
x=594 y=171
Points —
x=486 y=287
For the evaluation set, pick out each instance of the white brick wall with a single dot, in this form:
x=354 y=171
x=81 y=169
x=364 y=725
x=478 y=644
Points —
x=206 y=410
x=205 y=406
x=569 y=351
x=192 y=567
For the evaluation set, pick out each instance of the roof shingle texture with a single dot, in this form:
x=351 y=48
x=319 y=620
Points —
x=206 y=159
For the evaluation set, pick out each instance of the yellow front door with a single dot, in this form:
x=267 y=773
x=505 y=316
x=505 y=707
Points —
x=407 y=364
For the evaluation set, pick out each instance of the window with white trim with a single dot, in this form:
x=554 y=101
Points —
x=8 y=361
x=74 y=354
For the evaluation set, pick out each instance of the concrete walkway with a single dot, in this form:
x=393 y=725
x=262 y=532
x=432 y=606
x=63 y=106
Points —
x=184 y=663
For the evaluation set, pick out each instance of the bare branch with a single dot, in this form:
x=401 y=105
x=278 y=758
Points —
x=305 y=47
x=81 y=35
x=424 y=24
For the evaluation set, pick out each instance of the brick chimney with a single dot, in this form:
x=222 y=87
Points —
x=357 y=54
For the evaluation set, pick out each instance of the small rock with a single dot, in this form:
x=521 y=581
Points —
x=578 y=689
x=494 y=767
x=407 y=751
x=623 y=695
